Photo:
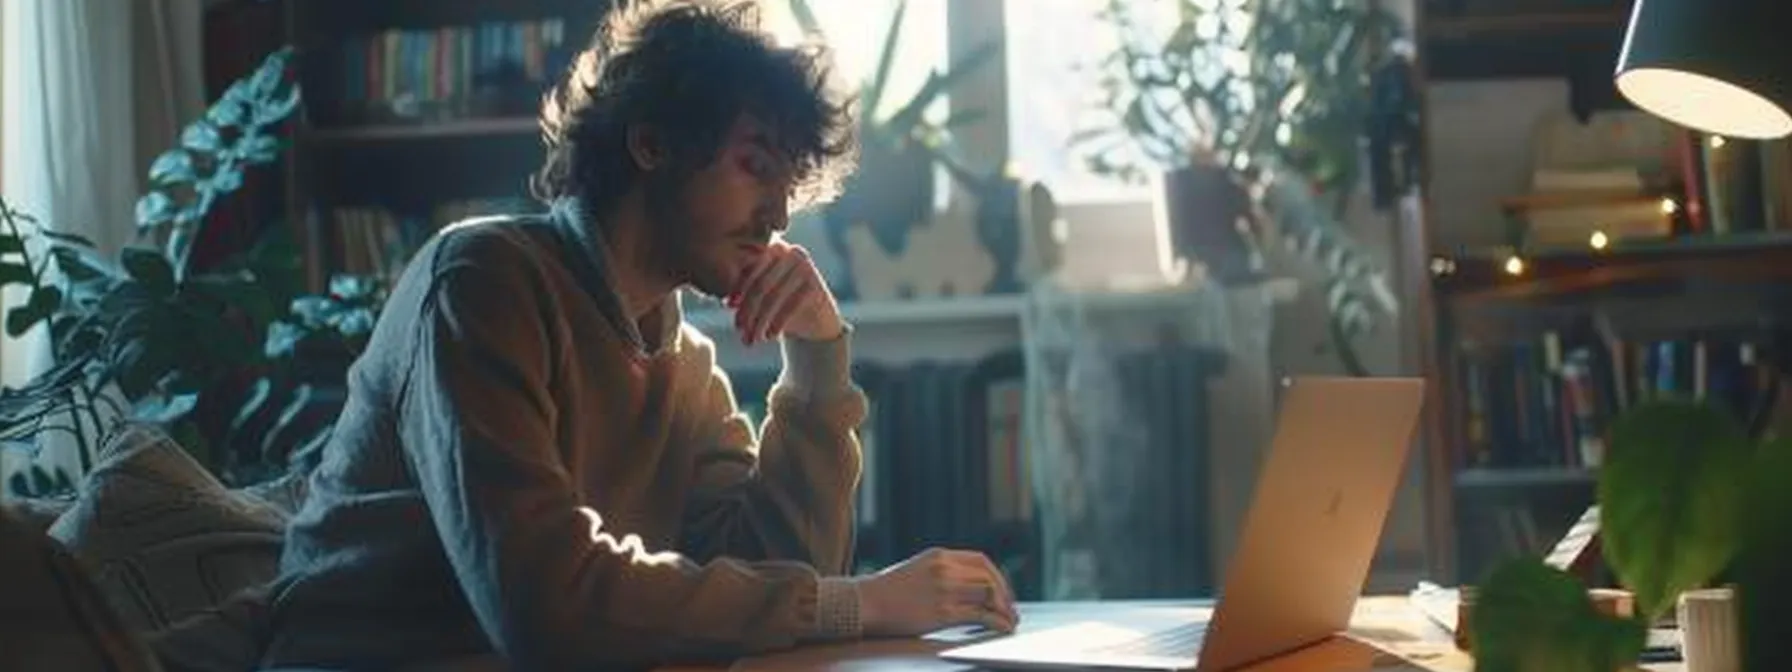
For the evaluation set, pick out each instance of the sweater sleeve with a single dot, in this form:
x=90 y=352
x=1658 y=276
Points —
x=791 y=494
x=548 y=582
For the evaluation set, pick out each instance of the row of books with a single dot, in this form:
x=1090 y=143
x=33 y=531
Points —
x=1548 y=403
x=449 y=65
x=946 y=463
x=1706 y=185
x=377 y=241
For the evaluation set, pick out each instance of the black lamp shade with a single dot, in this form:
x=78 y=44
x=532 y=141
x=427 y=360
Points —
x=1719 y=66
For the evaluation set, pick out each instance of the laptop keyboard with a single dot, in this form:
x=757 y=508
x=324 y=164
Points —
x=1182 y=640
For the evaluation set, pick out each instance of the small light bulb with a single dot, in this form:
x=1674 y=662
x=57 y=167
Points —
x=1716 y=141
x=1598 y=240
x=1442 y=266
x=1514 y=265
x=1669 y=206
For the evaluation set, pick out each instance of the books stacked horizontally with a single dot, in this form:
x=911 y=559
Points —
x=1590 y=207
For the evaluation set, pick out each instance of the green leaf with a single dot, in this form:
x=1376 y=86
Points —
x=163 y=409
x=172 y=167
x=272 y=111
x=1530 y=617
x=1669 y=501
x=40 y=306
x=21 y=319
x=259 y=393
x=201 y=136
x=148 y=267
x=289 y=416
x=154 y=209
x=258 y=148
x=80 y=265
x=67 y=238
x=228 y=111
x=268 y=76
x=16 y=274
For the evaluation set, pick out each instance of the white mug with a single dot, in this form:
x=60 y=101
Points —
x=1709 y=634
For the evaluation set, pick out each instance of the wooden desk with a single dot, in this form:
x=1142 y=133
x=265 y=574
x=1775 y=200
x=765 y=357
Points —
x=1386 y=633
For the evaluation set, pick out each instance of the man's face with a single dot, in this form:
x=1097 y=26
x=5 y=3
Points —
x=717 y=220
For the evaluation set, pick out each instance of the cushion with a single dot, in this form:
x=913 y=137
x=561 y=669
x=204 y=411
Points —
x=35 y=513
x=162 y=538
x=53 y=618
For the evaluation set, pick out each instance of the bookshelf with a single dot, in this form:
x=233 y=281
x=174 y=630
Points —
x=1541 y=345
x=416 y=112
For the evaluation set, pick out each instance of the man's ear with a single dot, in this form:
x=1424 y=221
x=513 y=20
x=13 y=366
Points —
x=646 y=148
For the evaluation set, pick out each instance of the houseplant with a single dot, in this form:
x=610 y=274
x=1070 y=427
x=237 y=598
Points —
x=1688 y=498
x=141 y=338
x=1253 y=115
x=893 y=188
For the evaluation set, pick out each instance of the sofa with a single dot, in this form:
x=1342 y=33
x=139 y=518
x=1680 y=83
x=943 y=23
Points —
x=149 y=540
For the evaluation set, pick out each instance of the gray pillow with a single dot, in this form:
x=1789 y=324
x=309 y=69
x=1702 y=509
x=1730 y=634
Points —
x=163 y=539
x=52 y=618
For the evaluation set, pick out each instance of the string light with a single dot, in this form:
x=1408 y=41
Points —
x=1514 y=265
x=1598 y=240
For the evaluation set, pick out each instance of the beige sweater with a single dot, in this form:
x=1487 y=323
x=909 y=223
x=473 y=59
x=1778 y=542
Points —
x=517 y=471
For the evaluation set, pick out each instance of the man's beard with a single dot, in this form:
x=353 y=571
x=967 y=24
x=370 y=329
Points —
x=670 y=230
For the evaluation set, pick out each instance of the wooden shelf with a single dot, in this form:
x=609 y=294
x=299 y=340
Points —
x=1524 y=477
x=1755 y=259
x=467 y=128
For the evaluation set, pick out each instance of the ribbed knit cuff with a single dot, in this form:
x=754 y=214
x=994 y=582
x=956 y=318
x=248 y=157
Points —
x=837 y=610
x=818 y=369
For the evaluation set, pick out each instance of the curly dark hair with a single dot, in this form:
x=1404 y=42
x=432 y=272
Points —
x=691 y=69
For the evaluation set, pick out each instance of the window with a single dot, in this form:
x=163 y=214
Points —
x=855 y=29
x=1052 y=48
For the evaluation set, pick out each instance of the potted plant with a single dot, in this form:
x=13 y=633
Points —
x=893 y=188
x=1688 y=498
x=140 y=339
x=1252 y=117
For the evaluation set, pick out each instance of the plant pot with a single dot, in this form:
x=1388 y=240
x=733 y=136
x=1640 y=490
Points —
x=1203 y=211
x=891 y=192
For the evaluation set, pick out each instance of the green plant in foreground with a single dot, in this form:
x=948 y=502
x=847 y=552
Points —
x=1685 y=496
x=138 y=340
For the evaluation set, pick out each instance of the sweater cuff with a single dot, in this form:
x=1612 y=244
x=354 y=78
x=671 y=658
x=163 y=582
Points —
x=837 y=610
x=818 y=369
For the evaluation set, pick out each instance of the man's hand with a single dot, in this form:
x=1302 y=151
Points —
x=784 y=295
x=935 y=589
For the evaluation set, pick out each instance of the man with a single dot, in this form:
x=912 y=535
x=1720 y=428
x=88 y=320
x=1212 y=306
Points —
x=541 y=465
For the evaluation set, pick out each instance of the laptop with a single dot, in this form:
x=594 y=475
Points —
x=1315 y=520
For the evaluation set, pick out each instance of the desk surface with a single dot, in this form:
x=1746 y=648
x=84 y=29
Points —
x=1386 y=633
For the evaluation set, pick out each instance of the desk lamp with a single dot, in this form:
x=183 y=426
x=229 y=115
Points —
x=1719 y=66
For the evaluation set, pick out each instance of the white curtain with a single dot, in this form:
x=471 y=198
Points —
x=91 y=90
